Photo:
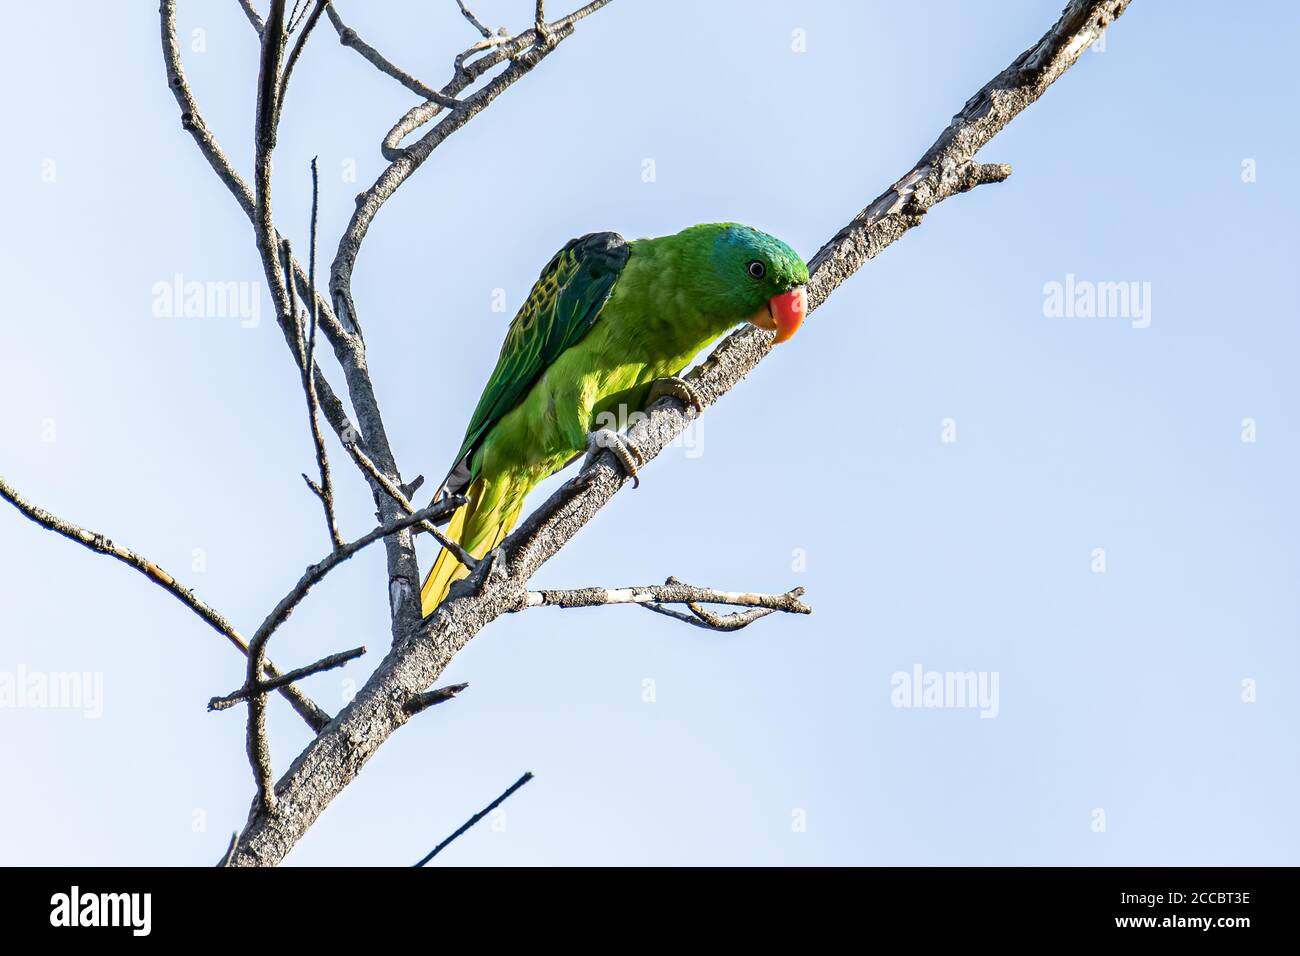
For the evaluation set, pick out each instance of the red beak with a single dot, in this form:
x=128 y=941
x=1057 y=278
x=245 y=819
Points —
x=788 y=310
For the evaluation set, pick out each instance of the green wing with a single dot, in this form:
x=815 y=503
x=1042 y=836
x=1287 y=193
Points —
x=565 y=301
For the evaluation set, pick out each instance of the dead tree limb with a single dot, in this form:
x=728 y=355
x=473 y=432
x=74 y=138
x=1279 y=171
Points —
x=258 y=750
x=297 y=674
x=656 y=597
x=348 y=37
x=102 y=544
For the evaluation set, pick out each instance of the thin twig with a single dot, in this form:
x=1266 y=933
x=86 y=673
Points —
x=300 y=339
x=312 y=576
x=403 y=162
x=311 y=263
x=101 y=544
x=308 y=379
x=399 y=497
x=503 y=47
x=349 y=38
x=253 y=16
x=301 y=42
x=289 y=677
x=324 y=489
x=476 y=818
x=478 y=24
x=710 y=621
x=295 y=18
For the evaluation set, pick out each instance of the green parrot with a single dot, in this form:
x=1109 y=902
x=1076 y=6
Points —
x=605 y=331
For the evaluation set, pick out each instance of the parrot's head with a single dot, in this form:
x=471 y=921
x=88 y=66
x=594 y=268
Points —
x=757 y=278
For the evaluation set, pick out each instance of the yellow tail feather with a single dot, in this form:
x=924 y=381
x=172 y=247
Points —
x=465 y=530
x=446 y=568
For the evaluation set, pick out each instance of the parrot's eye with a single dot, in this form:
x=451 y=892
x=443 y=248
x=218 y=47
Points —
x=756 y=269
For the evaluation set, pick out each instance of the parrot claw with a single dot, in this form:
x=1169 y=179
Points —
x=680 y=389
x=628 y=457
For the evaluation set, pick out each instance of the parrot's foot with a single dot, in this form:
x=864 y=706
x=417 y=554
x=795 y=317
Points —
x=628 y=457
x=680 y=389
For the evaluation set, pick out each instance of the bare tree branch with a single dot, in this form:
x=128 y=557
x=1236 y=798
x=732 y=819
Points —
x=504 y=47
x=348 y=37
x=315 y=717
x=296 y=15
x=655 y=597
x=404 y=163
x=258 y=751
x=268 y=85
x=253 y=16
x=398 y=496
x=476 y=818
x=324 y=490
x=709 y=620
x=672 y=591
x=437 y=511
x=416 y=659
x=262 y=687
x=475 y=21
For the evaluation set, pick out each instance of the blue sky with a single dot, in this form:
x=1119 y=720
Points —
x=1145 y=712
